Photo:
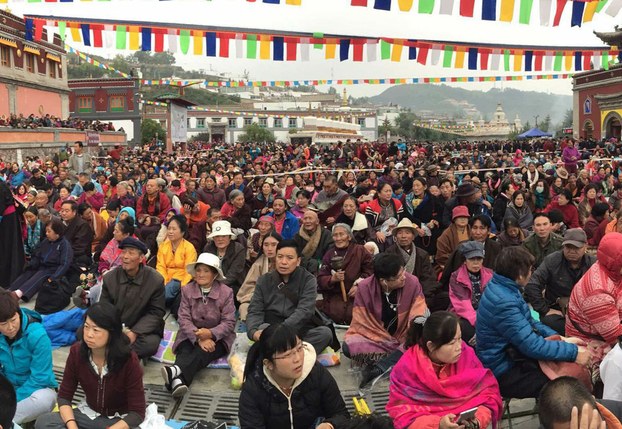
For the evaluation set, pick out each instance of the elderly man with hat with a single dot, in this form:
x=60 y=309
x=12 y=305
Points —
x=313 y=241
x=549 y=288
x=432 y=175
x=138 y=292
x=232 y=254
x=416 y=261
x=466 y=195
x=206 y=324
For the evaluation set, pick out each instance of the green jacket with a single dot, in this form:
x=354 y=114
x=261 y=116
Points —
x=540 y=252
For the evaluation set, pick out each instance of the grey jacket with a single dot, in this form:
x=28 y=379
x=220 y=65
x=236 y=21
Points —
x=140 y=300
x=271 y=305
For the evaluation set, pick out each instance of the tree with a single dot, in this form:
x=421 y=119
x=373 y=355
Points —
x=567 y=122
x=405 y=124
x=546 y=124
x=255 y=133
x=151 y=129
x=526 y=127
x=386 y=128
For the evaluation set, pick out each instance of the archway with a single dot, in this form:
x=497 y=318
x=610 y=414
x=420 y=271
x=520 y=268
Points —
x=613 y=125
x=588 y=129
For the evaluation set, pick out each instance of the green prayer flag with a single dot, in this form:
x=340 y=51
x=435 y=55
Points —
x=601 y=5
x=557 y=64
x=426 y=6
x=506 y=60
x=121 y=36
x=318 y=36
x=605 y=60
x=184 y=40
x=525 y=11
x=34 y=1
x=448 y=55
x=62 y=27
x=251 y=46
x=385 y=50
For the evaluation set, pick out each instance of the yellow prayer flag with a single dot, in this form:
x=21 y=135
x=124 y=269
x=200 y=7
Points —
x=405 y=5
x=293 y=2
x=518 y=60
x=396 y=52
x=568 y=57
x=76 y=35
x=197 y=42
x=331 y=49
x=590 y=9
x=507 y=10
x=264 y=47
x=459 y=64
x=134 y=39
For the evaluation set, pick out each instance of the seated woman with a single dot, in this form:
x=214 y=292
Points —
x=264 y=226
x=354 y=266
x=384 y=305
x=206 y=320
x=264 y=263
x=426 y=210
x=286 y=388
x=111 y=256
x=439 y=377
x=35 y=231
x=457 y=232
x=64 y=194
x=594 y=310
x=564 y=204
x=26 y=359
x=173 y=257
x=49 y=264
x=519 y=210
x=236 y=212
x=231 y=253
x=303 y=198
x=356 y=220
x=163 y=232
x=512 y=234
x=466 y=286
x=381 y=212
x=108 y=372
x=509 y=341
x=592 y=194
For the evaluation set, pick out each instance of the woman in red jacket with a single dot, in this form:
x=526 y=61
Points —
x=565 y=205
x=108 y=372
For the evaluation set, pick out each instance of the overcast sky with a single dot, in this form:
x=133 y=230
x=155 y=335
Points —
x=335 y=17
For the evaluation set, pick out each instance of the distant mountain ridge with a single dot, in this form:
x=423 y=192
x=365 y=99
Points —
x=443 y=99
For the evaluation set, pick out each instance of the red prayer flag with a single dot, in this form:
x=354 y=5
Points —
x=466 y=7
x=484 y=54
x=38 y=24
x=359 y=3
x=159 y=40
x=357 y=49
x=587 y=60
x=224 y=44
x=292 y=48
x=422 y=55
x=561 y=4
x=97 y=35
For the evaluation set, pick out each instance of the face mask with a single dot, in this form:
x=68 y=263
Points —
x=540 y=189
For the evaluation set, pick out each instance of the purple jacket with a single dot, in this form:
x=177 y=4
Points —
x=568 y=153
x=217 y=313
x=461 y=290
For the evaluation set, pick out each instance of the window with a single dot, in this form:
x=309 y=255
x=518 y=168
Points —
x=188 y=123
x=361 y=122
x=216 y=119
x=263 y=122
x=85 y=104
x=200 y=122
x=278 y=123
x=5 y=56
x=29 y=61
x=233 y=123
x=117 y=103
x=52 y=69
x=293 y=122
x=248 y=121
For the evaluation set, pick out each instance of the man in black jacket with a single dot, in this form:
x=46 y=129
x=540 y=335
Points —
x=78 y=233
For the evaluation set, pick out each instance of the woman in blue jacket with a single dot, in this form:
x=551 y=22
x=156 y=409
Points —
x=26 y=359
x=509 y=340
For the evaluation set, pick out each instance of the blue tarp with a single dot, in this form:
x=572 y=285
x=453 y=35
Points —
x=532 y=133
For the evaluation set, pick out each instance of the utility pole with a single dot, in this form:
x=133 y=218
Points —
x=536 y=117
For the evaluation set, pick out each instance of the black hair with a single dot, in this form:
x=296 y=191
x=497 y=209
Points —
x=425 y=182
x=277 y=338
x=557 y=399
x=282 y=199
x=8 y=399
x=516 y=194
x=57 y=226
x=127 y=226
x=600 y=209
x=397 y=186
x=556 y=216
x=33 y=210
x=510 y=222
x=484 y=220
x=272 y=234
x=211 y=211
x=8 y=305
x=107 y=316
x=304 y=193
x=505 y=186
x=514 y=262
x=88 y=186
x=64 y=187
x=82 y=207
x=381 y=185
x=541 y=214
x=439 y=328
x=387 y=265
x=590 y=186
x=176 y=182
x=73 y=205
x=79 y=143
x=566 y=193
x=113 y=205
x=289 y=243
x=181 y=221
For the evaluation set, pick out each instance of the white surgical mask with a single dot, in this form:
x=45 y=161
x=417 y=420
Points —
x=540 y=189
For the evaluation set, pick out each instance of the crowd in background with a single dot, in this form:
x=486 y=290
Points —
x=33 y=121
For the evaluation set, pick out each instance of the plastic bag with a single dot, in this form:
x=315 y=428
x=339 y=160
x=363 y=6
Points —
x=237 y=359
x=153 y=420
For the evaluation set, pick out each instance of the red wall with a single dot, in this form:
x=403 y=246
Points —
x=38 y=102
x=595 y=115
x=4 y=100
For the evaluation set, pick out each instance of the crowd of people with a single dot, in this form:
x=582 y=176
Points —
x=33 y=121
x=466 y=272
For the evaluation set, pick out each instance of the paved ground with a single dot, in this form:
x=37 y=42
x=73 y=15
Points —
x=212 y=398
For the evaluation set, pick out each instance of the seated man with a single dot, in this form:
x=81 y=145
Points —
x=287 y=295
x=416 y=261
x=556 y=276
x=384 y=305
x=79 y=234
x=566 y=403
x=138 y=292
x=330 y=200
x=543 y=241
x=313 y=241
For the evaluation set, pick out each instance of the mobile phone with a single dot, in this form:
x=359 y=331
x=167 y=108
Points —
x=466 y=415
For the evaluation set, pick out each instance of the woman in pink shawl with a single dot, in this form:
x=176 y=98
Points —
x=439 y=377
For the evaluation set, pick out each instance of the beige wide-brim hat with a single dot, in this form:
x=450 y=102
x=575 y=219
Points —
x=406 y=223
x=221 y=228
x=208 y=259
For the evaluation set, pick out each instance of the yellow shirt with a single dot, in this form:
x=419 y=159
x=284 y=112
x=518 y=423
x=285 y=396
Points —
x=173 y=265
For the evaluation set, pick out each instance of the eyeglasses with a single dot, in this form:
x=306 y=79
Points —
x=300 y=348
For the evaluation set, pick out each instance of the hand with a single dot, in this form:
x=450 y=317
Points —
x=552 y=312
x=583 y=356
x=330 y=220
x=380 y=237
x=257 y=335
x=187 y=209
x=338 y=276
x=207 y=345
x=421 y=232
x=352 y=291
x=447 y=422
x=589 y=420
x=50 y=280
x=574 y=340
x=203 y=334
x=253 y=254
x=264 y=210
x=487 y=204
x=132 y=336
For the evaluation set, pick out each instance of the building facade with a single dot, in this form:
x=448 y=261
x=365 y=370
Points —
x=32 y=73
x=597 y=104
